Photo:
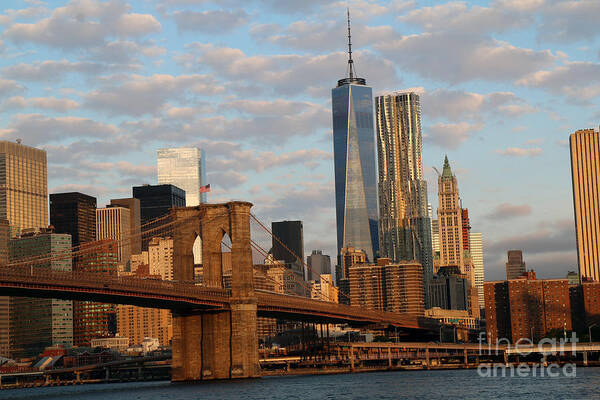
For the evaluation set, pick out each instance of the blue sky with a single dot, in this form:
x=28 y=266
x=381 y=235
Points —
x=102 y=84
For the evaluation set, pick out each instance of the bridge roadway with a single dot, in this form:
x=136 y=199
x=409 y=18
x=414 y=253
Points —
x=185 y=297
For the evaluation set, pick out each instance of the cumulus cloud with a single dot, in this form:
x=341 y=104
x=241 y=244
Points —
x=83 y=23
x=148 y=94
x=39 y=129
x=47 y=103
x=212 y=21
x=51 y=70
x=569 y=20
x=8 y=87
x=458 y=17
x=460 y=57
x=457 y=105
x=449 y=136
x=506 y=210
x=577 y=79
x=520 y=152
x=290 y=74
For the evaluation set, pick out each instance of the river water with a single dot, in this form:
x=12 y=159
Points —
x=463 y=384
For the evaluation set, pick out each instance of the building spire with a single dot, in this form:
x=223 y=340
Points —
x=446 y=172
x=350 y=61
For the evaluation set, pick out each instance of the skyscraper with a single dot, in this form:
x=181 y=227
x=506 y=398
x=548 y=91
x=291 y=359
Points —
x=184 y=167
x=585 y=171
x=354 y=159
x=23 y=186
x=157 y=200
x=133 y=205
x=319 y=263
x=450 y=220
x=289 y=245
x=515 y=266
x=476 y=240
x=113 y=223
x=404 y=222
x=74 y=213
x=37 y=323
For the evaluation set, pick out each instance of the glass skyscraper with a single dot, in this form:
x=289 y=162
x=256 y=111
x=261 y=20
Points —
x=354 y=159
x=185 y=168
x=404 y=222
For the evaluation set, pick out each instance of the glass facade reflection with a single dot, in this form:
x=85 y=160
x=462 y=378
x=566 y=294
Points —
x=404 y=223
x=354 y=159
x=185 y=168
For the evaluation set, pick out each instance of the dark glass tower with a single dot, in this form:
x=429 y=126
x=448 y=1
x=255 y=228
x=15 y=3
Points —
x=74 y=213
x=157 y=200
x=290 y=233
x=354 y=159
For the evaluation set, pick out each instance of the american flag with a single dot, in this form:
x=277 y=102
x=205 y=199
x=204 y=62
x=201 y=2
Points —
x=205 y=188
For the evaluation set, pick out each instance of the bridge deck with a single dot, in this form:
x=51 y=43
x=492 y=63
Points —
x=187 y=297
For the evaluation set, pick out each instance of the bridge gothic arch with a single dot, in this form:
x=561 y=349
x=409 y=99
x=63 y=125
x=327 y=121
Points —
x=219 y=344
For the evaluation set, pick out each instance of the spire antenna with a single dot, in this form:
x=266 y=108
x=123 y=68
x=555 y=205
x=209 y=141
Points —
x=350 y=62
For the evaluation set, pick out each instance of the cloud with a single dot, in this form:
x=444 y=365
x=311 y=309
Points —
x=141 y=95
x=459 y=58
x=577 y=79
x=456 y=105
x=520 y=152
x=449 y=136
x=457 y=17
x=289 y=74
x=38 y=129
x=212 y=21
x=47 y=103
x=506 y=211
x=51 y=70
x=8 y=87
x=84 y=23
x=569 y=20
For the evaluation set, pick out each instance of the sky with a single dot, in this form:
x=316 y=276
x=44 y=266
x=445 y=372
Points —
x=101 y=85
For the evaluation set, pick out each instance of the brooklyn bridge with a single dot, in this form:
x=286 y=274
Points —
x=214 y=328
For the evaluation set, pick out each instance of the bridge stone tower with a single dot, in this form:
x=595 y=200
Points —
x=215 y=344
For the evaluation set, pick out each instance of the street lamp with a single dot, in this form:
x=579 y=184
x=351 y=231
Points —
x=590 y=331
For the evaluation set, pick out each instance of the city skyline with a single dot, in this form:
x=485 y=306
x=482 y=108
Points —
x=101 y=132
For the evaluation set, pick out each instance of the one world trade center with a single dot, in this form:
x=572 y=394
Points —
x=354 y=159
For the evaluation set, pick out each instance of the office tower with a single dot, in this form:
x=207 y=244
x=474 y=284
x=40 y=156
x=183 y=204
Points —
x=435 y=237
x=288 y=244
x=184 y=167
x=349 y=256
x=526 y=308
x=160 y=257
x=585 y=171
x=404 y=222
x=137 y=323
x=37 y=323
x=113 y=223
x=23 y=186
x=157 y=200
x=515 y=267
x=404 y=288
x=449 y=291
x=323 y=289
x=476 y=242
x=354 y=161
x=133 y=205
x=74 y=213
x=92 y=319
x=319 y=264
x=450 y=220
x=466 y=229
x=4 y=300
x=388 y=286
